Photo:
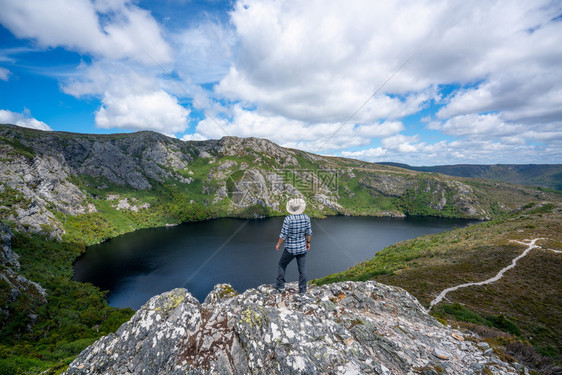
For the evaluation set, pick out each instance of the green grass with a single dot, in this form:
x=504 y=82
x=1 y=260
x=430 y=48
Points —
x=460 y=313
x=541 y=209
x=170 y=203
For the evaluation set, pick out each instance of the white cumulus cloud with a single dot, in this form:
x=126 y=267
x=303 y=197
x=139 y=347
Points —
x=373 y=154
x=22 y=119
x=293 y=133
x=131 y=97
x=401 y=143
x=155 y=111
x=492 y=66
x=480 y=126
x=319 y=61
x=349 y=77
x=203 y=53
x=495 y=126
x=453 y=152
x=111 y=29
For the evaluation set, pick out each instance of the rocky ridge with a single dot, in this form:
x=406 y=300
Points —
x=46 y=177
x=341 y=328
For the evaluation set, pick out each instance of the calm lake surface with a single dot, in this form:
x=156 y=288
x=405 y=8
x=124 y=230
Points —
x=197 y=256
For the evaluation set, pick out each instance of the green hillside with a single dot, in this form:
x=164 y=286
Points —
x=60 y=192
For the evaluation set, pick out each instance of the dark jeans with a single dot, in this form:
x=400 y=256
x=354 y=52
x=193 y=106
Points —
x=285 y=259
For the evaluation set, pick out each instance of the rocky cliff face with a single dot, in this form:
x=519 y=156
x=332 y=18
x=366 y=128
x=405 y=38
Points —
x=42 y=173
x=341 y=328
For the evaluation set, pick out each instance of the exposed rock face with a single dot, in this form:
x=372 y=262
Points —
x=342 y=328
x=8 y=258
x=39 y=182
x=13 y=284
x=240 y=146
x=438 y=192
x=387 y=184
x=42 y=170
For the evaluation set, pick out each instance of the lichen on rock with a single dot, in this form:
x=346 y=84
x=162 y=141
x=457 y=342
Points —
x=340 y=328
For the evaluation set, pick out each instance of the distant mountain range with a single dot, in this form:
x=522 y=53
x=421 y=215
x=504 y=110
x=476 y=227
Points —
x=544 y=175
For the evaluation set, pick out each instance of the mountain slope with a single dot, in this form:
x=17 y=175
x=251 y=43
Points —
x=545 y=175
x=59 y=184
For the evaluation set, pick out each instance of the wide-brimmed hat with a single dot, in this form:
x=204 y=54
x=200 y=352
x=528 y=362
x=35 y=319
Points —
x=296 y=206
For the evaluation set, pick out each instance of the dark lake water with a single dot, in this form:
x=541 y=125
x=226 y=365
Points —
x=197 y=256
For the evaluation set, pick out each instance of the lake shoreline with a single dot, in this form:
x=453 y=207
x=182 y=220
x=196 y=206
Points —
x=162 y=253
x=402 y=216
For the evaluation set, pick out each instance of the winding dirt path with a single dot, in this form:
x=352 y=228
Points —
x=531 y=245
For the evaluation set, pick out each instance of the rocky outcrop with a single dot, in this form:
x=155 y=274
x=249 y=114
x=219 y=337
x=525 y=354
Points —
x=390 y=185
x=123 y=159
x=436 y=193
x=34 y=186
x=341 y=328
x=259 y=148
x=254 y=186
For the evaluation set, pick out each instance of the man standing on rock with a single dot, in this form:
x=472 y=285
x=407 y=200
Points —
x=296 y=232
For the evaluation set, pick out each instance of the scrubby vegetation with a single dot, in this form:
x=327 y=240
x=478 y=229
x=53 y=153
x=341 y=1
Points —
x=524 y=303
x=10 y=199
x=44 y=337
x=463 y=314
x=18 y=148
x=166 y=203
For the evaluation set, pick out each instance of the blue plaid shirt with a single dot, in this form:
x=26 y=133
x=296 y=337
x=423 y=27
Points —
x=294 y=232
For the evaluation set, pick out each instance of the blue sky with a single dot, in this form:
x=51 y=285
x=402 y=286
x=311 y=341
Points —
x=427 y=82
